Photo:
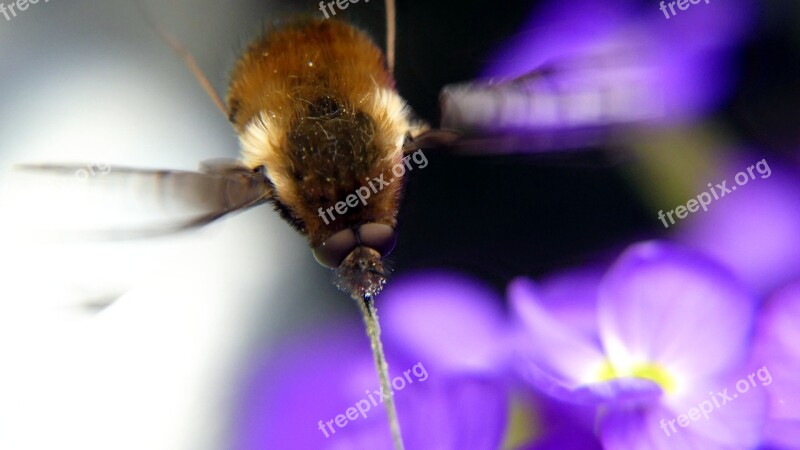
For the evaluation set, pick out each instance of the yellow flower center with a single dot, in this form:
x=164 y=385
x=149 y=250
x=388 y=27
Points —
x=649 y=371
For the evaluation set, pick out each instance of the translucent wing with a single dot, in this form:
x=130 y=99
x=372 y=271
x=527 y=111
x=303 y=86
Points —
x=587 y=76
x=185 y=199
x=561 y=106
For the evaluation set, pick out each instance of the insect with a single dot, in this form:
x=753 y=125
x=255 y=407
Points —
x=318 y=118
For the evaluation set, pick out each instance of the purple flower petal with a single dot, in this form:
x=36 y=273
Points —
x=456 y=413
x=287 y=395
x=323 y=375
x=620 y=392
x=545 y=39
x=549 y=345
x=695 y=421
x=616 y=392
x=575 y=439
x=781 y=434
x=736 y=408
x=777 y=349
x=639 y=429
x=662 y=304
x=753 y=231
x=452 y=322
x=562 y=426
x=571 y=297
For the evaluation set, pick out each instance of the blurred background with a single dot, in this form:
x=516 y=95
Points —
x=154 y=343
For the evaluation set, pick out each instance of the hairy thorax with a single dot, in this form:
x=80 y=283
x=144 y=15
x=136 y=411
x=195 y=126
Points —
x=314 y=104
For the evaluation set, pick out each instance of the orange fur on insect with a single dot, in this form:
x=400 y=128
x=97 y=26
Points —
x=315 y=105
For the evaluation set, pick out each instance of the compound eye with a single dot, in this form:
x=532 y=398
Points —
x=335 y=249
x=377 y=236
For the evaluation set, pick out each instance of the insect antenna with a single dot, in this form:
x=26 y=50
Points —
x=390 y=33
x=183 y=53
x=367 y=306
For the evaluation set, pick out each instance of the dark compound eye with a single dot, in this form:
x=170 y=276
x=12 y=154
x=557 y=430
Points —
x=335 y=249
x=377 y=236
x=259 y=170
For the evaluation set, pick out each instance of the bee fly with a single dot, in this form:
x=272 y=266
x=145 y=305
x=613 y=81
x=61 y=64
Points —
x=317 y=114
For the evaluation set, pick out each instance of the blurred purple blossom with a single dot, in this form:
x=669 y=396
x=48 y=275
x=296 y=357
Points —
x=455 y=323
x=753 y=231
x=670 y=326
x=777 y=348
x=322 y=374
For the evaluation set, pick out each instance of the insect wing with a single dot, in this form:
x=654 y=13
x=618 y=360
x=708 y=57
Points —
x=127 y=202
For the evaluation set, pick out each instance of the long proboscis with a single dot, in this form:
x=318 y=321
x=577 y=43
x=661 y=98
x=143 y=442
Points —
x=367 y=306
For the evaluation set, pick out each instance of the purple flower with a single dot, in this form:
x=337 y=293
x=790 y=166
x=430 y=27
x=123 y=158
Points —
x=777 y=349
x=754 y=230
x=670 y=327
x=322 y=392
